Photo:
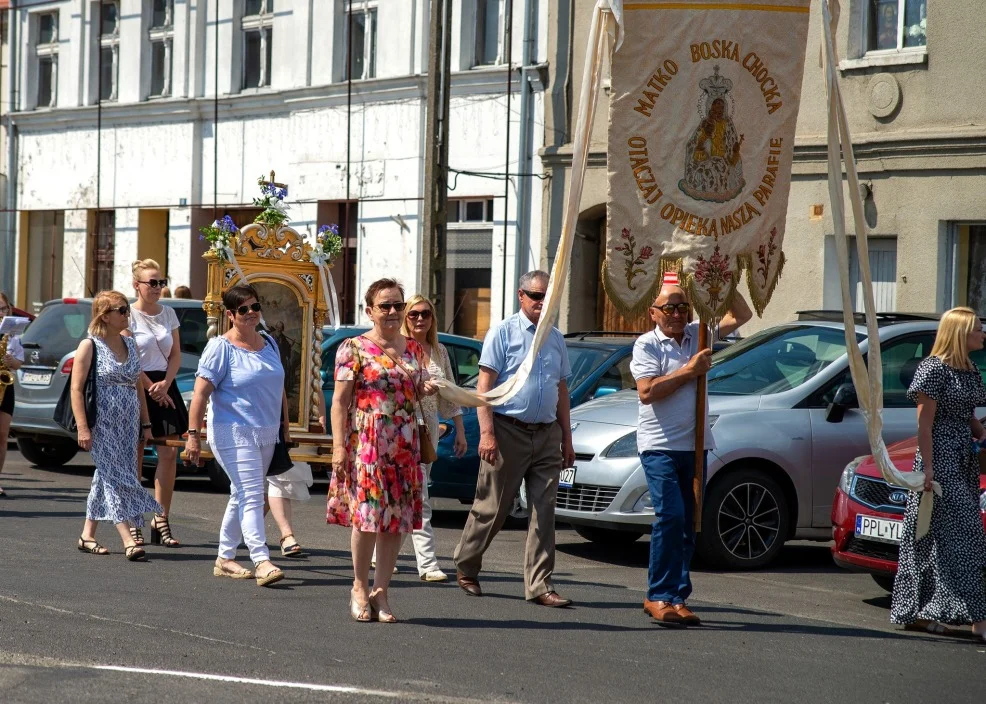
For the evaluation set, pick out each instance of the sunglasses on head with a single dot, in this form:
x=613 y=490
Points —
x=155 y=283
x=122 y=310
x=243 y=310
x=423 y=314
x=534 y=295
x=387 y=307
x=669 y=308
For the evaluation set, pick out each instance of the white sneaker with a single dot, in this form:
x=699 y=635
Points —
x=434 y=576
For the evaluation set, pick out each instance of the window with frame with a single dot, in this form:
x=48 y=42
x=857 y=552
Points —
x=46 y=52
x=258 y=34
x=487 y=32
x=470 y=210
x=160 y=34
x=361 y=29
x=896 y=25
x=109 y=49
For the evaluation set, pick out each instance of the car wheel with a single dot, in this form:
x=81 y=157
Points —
x=885 y=581
x=217 y=476
x=607 y=536
x=745 y=521
x=47 y=454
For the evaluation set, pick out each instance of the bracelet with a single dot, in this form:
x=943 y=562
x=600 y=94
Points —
x=193 y=433
x=145 y=426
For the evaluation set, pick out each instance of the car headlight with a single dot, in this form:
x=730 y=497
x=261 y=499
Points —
x=644 y=504
x=982 y=501
x=849 y=473
x=624 y=447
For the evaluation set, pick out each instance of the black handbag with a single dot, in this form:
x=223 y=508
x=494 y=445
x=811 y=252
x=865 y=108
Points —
x=281 y=461
x=63 y=409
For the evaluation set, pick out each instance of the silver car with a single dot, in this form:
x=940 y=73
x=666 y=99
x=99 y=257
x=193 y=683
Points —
x=785 y=422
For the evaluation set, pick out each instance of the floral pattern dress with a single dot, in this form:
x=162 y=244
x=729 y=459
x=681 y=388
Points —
x=381 y=490
x=942 y=576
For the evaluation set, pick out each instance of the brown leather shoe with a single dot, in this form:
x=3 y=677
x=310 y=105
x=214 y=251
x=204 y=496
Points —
x=687 y=615
x=551 y=599
x=469 y=585
x=664 y=613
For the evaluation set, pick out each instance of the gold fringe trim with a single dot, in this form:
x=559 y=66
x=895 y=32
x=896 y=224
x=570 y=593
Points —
x=760 y=302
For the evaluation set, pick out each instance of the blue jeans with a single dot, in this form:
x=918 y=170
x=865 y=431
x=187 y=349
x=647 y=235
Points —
x=672 y=543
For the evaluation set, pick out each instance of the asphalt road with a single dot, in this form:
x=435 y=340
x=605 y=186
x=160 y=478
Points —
x=82 y=628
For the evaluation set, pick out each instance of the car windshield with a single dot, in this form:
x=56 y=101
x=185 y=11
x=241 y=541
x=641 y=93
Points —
x=775 y=360
x=58 y=328
x=583 y=361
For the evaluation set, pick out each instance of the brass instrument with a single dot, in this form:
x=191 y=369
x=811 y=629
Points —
x=6 y=377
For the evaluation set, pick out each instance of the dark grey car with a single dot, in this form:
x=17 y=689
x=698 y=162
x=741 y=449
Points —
x=49 y=351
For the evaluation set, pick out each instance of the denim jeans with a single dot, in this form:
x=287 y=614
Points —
x=672 y=543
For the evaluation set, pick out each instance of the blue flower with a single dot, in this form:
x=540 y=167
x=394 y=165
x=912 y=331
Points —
x=282 y=193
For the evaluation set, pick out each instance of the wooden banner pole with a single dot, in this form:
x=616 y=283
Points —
x=698 y=483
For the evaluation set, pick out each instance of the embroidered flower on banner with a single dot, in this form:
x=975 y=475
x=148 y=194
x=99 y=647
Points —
x=713 y=275
x=765 y=253
x=633 y=260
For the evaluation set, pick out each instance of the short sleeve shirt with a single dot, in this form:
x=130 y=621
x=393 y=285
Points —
x=669 y=423
x=504 y=350
x=153 y=335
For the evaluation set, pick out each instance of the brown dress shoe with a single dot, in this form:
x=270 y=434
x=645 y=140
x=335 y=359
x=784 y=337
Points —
x=469 y=585
x=687 y=615
x=664 y=613
x=551 y=599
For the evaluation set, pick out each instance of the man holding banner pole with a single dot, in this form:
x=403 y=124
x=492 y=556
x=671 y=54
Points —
x=667 y=365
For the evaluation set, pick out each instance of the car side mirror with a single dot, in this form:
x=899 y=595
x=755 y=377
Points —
x=845 y=398
x=604 y=391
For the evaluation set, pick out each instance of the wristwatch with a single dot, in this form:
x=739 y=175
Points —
x=193 y=433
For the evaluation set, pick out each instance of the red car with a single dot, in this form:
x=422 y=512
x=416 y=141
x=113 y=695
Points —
x=868 y=513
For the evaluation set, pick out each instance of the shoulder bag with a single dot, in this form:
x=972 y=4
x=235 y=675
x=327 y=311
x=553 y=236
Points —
x=281 y=461
x=63 y=409
x=427 y=447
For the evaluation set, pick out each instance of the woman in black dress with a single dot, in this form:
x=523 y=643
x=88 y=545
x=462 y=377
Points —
x=941 y=577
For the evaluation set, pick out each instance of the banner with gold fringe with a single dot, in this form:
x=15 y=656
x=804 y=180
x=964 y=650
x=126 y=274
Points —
x=703 y=110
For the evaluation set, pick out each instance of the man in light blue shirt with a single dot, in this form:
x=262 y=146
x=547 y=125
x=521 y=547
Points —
x=529 y=438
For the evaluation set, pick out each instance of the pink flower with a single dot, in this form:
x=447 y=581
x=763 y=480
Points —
x=626 y=234
x=646 y=252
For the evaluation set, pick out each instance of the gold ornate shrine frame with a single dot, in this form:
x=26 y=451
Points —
x=276 y=261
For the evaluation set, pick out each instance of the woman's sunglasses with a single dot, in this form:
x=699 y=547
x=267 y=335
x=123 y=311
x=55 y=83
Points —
x=387 y=307
x=122 y=310
x=423 y=314
x=155 y=283
x=243 y=310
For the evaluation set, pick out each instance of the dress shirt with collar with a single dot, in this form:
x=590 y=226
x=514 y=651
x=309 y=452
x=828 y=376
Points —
x=504 y=350
x=668 y=423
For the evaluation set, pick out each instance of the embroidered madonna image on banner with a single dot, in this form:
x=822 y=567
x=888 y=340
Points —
x=703 y=110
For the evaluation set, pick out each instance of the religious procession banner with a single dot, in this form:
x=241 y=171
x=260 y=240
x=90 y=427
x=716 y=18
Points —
x=703 y=110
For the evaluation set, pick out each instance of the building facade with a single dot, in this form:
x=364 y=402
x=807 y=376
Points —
x=135 y=122
x=911 y=76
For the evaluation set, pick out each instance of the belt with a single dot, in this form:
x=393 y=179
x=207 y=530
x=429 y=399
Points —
x=521 y=424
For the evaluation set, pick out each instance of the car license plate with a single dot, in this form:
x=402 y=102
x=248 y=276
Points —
x=879 y=529
x=567 y=478
x=36 y=378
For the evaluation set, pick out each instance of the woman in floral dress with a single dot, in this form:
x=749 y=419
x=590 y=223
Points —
x=941 y=577
x=376 y=479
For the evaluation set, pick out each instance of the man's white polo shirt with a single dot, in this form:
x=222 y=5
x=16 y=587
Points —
x=669 y=423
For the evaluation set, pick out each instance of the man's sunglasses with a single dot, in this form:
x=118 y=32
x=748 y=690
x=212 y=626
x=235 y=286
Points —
x=122 y=310
x=669 y=308
x=155 y=283
x=387 y=307
x=534 y=295
x=243 y=310
x=423 y=314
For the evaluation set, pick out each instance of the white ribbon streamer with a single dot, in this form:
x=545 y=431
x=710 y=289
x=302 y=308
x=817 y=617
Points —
x=602 y=17
x=868 y=379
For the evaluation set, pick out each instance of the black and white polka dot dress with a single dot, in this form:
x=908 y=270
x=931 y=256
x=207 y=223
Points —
x=942 y=577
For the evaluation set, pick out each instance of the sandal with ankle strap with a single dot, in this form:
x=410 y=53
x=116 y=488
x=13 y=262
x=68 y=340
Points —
x=275 y=575
x=91 y=547
x=137 y=535
x=161 y=532
x=293 y=550
x=135 y=553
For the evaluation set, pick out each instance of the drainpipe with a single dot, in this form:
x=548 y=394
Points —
x=9 y=236
x=525 y=160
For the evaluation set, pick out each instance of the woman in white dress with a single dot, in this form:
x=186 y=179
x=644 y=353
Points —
x=154 y=328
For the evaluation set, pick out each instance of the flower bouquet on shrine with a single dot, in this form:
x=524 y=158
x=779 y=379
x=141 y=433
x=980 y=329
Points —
x=219 y=235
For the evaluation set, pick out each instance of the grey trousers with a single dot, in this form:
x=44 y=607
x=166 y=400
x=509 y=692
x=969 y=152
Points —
x=532 y=455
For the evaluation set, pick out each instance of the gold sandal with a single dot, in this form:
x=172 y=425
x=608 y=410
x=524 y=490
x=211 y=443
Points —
x=221 y=570
x=272 y=577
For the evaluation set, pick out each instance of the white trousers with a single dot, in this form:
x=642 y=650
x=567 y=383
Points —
x=423 y=538
x=244 y=517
